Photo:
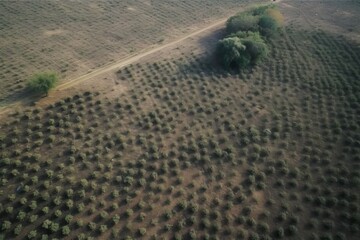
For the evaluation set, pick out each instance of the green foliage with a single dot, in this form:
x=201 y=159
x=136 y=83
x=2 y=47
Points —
x=245 y=46
x=260 y=10
x=256 y=47
x=231 y=52
x=41 y=83
x=5 y=225
x=65 y=230
x=17 y=229
x=32 y=234
x=241 y=50
x=268 y=25
x=242 y=22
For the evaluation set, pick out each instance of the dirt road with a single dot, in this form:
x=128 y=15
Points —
x=125 y=61
x=131 y=59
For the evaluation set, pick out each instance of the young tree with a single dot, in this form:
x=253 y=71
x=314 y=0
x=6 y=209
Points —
x=41 y=83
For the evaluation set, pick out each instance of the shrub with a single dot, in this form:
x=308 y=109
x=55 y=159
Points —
x=79 y=223
x=241 y=22
x=21 y=216
x=65 y=230
x=6 y=225
x=54 y=227
x=104 y=214
x=268 y=25
x=33 y=218
x=292 y=230
x=129 y=212
x=279 y=233
x=241 y=50
x=80 y=207
x=45 y=210
x=58 y=213
x=9 y=209
x=263 y=227
x=103 y=228
x=260 y=10
x=42 y=82
x=270 y=21
x=32 y=234
x=69 y=218
x=142 y=231
x=17 y=229
x=276 y=15
x=116 y=218
x=92 y=226
x=231 y=52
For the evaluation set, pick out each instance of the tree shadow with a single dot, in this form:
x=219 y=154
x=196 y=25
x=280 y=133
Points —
x=23 y=97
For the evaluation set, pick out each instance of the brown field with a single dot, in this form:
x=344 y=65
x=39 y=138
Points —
x=171 y=146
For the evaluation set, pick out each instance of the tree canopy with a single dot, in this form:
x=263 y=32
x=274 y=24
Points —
x=241 y=50
x=243 y=22
x=245 y=44
x=41 y=83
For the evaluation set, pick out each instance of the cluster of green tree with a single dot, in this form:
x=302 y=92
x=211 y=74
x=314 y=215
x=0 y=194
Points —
x=247 y=32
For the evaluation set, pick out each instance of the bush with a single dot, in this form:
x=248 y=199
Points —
x=6 y=225
x=32 y=234
x=255 y=46
x=260 y=10
x=142 y=231
x=17 y=229
x=268 y=25
x=65 y=230
x=231 y=52
x=103 y=228
x=242 y=22
x=241 y=50
x=279 y=233
x=42 y=82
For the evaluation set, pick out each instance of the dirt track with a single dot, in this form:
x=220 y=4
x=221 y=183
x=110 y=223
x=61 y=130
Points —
x=131 y=59
x=124 y=62
x=119 y=64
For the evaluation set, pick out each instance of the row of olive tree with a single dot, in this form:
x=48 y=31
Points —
x=245 y=44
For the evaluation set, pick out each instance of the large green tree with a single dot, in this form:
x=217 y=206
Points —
x=231 y=52
x=241 y=50
x=42 y=82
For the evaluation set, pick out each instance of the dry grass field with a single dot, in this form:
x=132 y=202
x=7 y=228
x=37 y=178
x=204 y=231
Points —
x=74 y=37
x=174 y=147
